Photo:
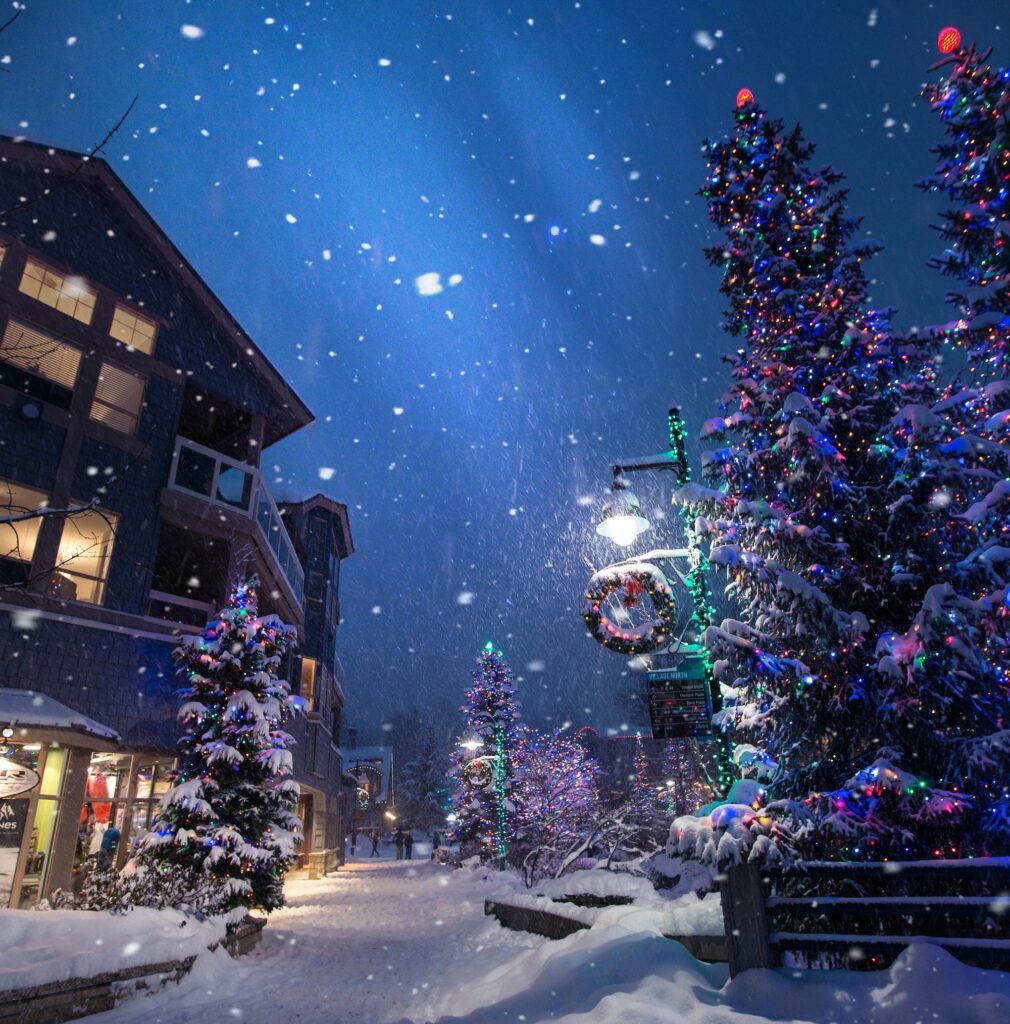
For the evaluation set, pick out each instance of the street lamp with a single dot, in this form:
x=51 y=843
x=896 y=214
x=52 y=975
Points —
x=623 y=522
x=622 y=515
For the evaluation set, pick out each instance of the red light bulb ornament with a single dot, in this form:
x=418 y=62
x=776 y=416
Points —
x=948 y=40
x=744 y=96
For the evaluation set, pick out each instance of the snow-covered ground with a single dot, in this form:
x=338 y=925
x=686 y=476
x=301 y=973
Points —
x=385 y=942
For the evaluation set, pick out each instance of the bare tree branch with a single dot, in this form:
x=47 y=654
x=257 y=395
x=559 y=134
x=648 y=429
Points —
x=81 y=164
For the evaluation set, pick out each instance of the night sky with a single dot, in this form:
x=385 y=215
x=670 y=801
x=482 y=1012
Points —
x=313 y=160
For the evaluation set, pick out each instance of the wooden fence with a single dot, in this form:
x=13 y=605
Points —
x=862 y=915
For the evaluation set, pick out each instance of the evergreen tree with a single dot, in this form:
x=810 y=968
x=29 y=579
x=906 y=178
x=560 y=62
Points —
x=947 y=701
x=421 y=790
x=555 y=803
x=483 y=776
x=229 y=814
x=796 y=519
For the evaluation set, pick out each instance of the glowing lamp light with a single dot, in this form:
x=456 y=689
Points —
x=745 y=96
x=948 y=40
x=622 y=517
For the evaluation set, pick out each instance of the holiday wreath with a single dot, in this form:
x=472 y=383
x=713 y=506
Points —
x=622 y=589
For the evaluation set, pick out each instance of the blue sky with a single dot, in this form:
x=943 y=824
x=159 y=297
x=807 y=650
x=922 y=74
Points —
x=313 y=160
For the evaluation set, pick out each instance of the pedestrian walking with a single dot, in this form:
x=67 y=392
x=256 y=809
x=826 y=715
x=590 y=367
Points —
x=436 y=842
x=408 y=844
x=398 y=840
x=375 y=843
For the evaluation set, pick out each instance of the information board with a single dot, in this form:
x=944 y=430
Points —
x=680 y=704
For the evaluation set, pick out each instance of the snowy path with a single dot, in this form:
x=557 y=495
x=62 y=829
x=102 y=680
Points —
x=398 y=943
x=372 y=944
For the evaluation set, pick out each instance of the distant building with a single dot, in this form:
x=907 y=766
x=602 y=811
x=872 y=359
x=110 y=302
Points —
x=125 y=382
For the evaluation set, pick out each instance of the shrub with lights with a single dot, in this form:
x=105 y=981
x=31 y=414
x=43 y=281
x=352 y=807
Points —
x=555 y=803
x=229 y=815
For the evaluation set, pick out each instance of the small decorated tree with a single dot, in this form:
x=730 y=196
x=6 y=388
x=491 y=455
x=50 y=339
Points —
x=229 y=816
x=685 y=784
x=555 y=803
x=483 y=776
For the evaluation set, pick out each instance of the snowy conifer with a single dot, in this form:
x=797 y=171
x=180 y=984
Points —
x=229 y=814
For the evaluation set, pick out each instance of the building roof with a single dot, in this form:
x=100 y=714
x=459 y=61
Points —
x=292 y=413
x=33 y=710
x=336 y=508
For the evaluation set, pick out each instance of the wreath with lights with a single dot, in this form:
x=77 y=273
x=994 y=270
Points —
x=623 y=589
x=477 y=774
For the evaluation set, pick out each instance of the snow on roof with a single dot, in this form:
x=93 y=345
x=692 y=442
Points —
x=38 y=710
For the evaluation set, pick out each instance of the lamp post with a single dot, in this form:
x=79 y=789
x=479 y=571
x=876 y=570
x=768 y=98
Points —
x=496 y=766
x=622 y=522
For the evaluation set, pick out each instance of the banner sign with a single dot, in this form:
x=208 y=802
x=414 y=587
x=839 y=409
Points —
x=13 y=816
x=680 y=704
x=16 y=778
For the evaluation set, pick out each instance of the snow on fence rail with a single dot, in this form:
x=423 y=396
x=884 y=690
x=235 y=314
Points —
x=862 y=915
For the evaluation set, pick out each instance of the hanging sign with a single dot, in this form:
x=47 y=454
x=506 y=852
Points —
x=16 y=778
x=680 y=704
x=13 y=815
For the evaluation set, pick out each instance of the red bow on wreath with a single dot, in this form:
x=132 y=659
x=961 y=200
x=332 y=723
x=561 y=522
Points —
x=633 y=590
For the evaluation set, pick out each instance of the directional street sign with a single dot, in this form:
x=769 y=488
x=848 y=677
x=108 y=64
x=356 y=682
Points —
x=680 y=704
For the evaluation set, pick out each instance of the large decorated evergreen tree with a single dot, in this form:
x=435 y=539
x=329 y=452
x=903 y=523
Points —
x=484 y=773
x=229 y=814
x=947 y=699
x=794 y=518
x=555 y=802
x=813 y=514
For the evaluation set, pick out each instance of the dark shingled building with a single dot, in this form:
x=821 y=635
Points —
x=129 y=393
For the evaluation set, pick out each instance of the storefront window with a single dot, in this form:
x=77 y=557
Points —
x=40 y=810
x=103 y=816
x=152 y=780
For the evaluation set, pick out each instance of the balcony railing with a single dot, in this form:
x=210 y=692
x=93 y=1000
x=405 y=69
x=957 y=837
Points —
x=239 y=487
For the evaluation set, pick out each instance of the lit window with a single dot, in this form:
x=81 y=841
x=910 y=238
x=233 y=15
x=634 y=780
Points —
x=118 y=398
x=17 y=540
x=307 y=687
x=132 y=329
x=70 y=295
x=40 y=354
x=82 y=563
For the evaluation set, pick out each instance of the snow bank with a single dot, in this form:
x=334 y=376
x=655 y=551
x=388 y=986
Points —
x=597 y=882
x=55 y=945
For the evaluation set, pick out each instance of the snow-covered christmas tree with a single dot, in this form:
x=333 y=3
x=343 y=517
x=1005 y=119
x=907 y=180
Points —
x=229 y=814
x=790 y=521
x=484 y=773
x=947 y=697
x=812 y=513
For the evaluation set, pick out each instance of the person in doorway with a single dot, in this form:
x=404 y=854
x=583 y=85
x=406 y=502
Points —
x=408 y=844
x=107 y=851
x=436 y=842
x=375 y=844
x=398 y=840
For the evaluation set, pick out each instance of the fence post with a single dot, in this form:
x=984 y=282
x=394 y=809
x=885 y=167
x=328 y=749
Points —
x=743 y=914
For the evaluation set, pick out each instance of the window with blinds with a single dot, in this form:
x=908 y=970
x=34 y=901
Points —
x=40 y=354
x=70 y=295
x=17 y=535
x=133 y=329
x=119 y=398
